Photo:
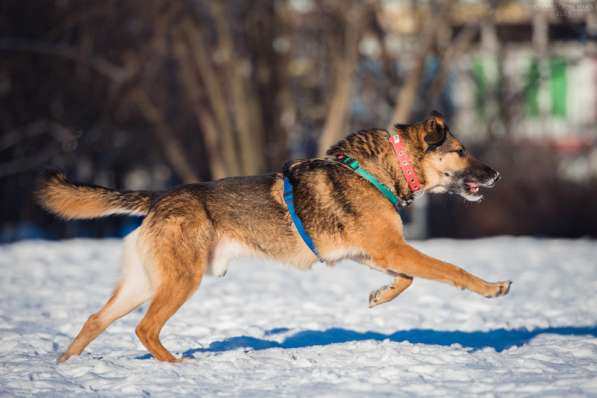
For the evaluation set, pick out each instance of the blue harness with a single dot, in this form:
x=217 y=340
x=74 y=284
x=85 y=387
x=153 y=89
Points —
x=354 y=165
x=298 y=224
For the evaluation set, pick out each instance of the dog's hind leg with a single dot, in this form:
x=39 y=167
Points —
x=132 y=291
x=390 y=292
x=180 y=252
x=169 y=297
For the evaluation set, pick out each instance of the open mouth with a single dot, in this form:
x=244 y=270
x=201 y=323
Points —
x=472 y=187
x=471 y=190
x=469 y=186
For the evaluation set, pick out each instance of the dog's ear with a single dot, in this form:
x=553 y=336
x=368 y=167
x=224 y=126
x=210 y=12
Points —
x=434 y=131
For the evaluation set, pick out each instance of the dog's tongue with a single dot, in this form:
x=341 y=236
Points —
x=472 y=186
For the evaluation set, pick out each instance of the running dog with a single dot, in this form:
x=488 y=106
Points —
x=336 y=212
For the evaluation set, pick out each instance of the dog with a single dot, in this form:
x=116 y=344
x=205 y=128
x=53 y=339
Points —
x=195 y=230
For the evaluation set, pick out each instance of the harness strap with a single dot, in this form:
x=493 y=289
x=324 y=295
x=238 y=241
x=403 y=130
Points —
x=356 y=167
x=298 y=224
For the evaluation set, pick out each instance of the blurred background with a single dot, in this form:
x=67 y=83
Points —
x=146 y=94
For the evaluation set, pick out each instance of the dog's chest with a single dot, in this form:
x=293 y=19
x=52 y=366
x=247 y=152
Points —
x=228 y=249
x=225 y=251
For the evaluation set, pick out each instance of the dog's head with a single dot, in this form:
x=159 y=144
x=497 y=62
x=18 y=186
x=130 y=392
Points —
x=445 y=163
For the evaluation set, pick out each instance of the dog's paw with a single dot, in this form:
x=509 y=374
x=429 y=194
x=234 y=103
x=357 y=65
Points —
x=63 y=358
x=381 y=295
x=373 y=296
x=500 y=289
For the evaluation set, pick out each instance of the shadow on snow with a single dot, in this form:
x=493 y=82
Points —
x=498 y=339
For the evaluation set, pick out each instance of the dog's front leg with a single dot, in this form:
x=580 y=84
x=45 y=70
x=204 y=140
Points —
x=389 y=292
x=400 y=258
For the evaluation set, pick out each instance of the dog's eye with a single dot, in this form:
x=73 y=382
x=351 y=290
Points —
x=460 y=152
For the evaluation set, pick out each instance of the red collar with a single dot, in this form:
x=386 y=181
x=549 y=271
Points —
x=404 y=161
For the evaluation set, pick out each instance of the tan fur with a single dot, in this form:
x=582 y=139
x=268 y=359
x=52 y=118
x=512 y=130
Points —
x=390 y=292
x=74 y=201
x=196 y=229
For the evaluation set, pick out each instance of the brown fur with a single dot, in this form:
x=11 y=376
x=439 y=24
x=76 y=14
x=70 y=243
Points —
x=69 y=200
x=180 y=240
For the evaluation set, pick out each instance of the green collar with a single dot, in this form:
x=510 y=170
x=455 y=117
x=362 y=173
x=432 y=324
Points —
x=355 y=166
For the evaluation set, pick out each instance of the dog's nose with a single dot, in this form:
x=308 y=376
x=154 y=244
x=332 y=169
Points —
x=492 y=174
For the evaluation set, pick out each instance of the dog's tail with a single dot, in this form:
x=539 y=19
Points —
x=71 y=201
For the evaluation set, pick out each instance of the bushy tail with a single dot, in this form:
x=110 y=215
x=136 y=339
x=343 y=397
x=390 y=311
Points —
x=71 y=201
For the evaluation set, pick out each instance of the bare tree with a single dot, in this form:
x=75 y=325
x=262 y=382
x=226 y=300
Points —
x=345 y=61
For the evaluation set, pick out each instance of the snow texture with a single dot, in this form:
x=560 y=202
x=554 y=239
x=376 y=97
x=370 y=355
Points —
x=267 y=330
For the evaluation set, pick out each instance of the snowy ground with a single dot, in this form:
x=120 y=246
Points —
x=267 y=330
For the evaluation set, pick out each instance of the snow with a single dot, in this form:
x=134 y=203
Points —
x=266 y=330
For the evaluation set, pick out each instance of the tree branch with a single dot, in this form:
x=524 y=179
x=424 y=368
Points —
x=100 y=65
x=408 y=93
x=344 y=70
x=214 y=92
x=204 y=118
x=247 y=125
x=165 y=135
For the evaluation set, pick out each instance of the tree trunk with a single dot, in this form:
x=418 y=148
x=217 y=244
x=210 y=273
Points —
x=408 y=93
x=165 y=136
x=345 y=66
